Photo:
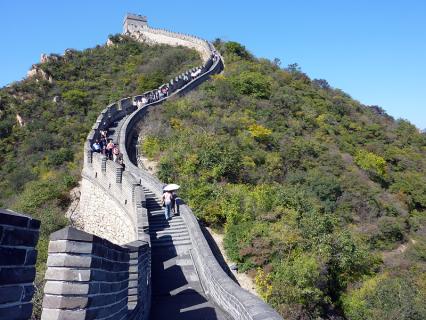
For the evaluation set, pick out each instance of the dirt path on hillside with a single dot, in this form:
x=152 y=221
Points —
x=243 y=279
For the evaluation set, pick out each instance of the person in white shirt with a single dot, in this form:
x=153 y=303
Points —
x=167 y=202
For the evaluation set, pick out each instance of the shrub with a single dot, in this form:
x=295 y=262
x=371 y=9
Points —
x=151 y=147
x=234 y=48
x=372 y=163
x=397 y=297
x=252 y=83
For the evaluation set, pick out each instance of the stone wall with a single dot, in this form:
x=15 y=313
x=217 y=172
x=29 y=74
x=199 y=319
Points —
x=139 y=29
x=93 y=278
x=237 y=302
x=18 y=238
x=89 y=277
x=111 y=203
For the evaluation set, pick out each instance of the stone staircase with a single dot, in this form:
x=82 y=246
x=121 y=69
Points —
x=177 y=291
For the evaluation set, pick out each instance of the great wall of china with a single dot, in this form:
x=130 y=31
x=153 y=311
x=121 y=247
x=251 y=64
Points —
x=127 y=261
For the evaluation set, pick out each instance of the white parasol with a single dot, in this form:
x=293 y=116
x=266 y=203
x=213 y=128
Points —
x=171 y=187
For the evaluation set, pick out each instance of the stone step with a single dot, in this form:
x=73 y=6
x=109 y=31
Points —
x=152 y=201
x=175 y=243
x=169 y=231
x=156 y=229
x=160 y=216
x=164 y=222
x=168 y=237
x=158 y=212
x=167 y=227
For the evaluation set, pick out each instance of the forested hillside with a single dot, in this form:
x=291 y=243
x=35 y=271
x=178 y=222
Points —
x=322 y=199
x=41 y=152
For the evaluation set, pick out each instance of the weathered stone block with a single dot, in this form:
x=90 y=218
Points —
x=12 y=275
x=66 y=274
x=67 y=260
x=64 y=302
x=70 y=233
x=31 y=258
x=68 y=246
x=21 y=237
x=11 y=218
x=56 y=314
x=10 y=294
x=28 y=293
x=16 y=312
x=12 y=256
x=61 y=287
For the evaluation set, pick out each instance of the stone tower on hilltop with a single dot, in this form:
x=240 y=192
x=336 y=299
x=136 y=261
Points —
x=134 y=21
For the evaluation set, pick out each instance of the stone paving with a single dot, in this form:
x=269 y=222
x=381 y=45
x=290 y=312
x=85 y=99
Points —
x=176 y=289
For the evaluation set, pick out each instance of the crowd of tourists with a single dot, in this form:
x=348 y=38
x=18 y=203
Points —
x=165 y=89
x=108 y=148
x=152 y=96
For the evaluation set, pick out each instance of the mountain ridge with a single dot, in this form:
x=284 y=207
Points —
x=349 y=178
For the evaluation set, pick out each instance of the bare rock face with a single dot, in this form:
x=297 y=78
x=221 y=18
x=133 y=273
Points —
x=20 y=120
x=109 y=43
x=43 y=58
x=39 y=73
x=48 y=58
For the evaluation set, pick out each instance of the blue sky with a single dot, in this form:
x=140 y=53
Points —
x=373 y=50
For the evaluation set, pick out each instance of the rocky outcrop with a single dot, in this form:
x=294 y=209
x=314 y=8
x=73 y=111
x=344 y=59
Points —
x=37 y=72
x=20 y=120
x=44 y=58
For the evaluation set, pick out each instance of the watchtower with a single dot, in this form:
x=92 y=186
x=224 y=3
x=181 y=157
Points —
x=134 y=21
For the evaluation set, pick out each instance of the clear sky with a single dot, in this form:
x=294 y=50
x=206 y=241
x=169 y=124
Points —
x=374 y=50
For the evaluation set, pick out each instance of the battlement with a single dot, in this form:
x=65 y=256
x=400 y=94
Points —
x=132 y=21
x=137 y=27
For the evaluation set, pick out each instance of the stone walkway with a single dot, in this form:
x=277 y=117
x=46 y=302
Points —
x=176 y=288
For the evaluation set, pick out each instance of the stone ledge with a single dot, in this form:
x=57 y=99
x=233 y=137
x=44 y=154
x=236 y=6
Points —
x=70 y=233
x=12 y=218
x=69 y=246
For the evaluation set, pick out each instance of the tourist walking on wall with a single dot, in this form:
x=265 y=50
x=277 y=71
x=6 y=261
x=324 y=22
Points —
x=115 y=153
x=96 y=147
x=174 y=197
x=109 y=148
x=167 y=202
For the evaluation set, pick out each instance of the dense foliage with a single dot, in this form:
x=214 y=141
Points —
x=41 y=161
x=321 y=198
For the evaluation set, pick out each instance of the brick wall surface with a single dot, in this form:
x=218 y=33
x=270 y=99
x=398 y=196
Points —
x=18 y=238
x=89 y=277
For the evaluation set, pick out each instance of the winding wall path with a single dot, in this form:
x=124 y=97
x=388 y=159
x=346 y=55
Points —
x=187 y=281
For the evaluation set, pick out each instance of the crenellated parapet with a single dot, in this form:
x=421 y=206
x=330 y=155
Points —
x=89 y=277
x=110 y=194
x=137 y=27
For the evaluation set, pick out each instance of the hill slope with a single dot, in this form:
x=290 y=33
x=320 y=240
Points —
x=321 y=198
x=41 y=158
